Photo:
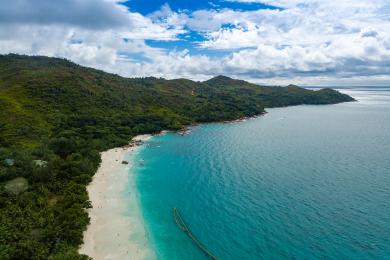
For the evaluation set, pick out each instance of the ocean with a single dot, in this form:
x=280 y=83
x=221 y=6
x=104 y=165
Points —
x=302 y=182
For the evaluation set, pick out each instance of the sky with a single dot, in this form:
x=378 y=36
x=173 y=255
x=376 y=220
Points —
x=274 y=42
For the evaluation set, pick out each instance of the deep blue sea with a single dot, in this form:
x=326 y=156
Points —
x=302 y=182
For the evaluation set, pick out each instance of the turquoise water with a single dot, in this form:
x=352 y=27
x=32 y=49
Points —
x=303 y=182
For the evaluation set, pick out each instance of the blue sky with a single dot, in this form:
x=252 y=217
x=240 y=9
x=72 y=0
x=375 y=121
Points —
x=191 y=38
x=316 y=42
x=147 y=7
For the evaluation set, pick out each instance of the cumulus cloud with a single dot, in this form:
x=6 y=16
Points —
x=303 y=41
x=312 y=38
x=92 y=32
x=86 y=13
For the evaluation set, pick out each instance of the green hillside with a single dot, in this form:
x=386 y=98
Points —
x=55 y=118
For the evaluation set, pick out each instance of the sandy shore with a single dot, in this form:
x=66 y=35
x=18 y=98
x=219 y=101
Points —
x=116 y=230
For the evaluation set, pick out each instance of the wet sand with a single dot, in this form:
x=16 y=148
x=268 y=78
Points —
x=114 y=232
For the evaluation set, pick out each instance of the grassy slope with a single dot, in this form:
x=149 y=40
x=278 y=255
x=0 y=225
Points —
x=57 y=111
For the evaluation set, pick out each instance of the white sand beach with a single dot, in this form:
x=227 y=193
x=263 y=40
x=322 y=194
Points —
x=116 y=230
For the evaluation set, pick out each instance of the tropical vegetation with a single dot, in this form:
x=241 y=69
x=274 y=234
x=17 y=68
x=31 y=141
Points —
x=55 y=118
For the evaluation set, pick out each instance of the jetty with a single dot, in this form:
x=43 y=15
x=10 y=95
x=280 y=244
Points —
x=182 y=225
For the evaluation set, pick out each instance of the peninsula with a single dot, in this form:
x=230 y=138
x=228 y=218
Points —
x=56 y=117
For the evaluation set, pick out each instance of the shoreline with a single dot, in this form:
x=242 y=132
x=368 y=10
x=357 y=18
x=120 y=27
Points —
x=115 y=231
x=186 y=129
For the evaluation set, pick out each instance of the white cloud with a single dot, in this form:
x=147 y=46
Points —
x=88 y=32
x=315 y=41
x=313 y=38
x=87 y=13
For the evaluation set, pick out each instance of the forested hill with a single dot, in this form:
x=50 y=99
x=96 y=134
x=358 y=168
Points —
x=55 y=118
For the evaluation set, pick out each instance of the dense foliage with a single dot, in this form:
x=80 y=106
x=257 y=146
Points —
x=55 y=118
